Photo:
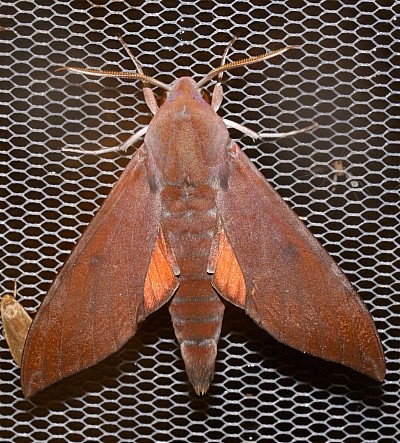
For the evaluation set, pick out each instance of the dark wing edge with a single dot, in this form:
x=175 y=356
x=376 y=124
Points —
x=117 y=274
x=270 y=264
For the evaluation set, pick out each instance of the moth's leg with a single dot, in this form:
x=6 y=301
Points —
x=147 y=91
x=122 y=147
x=259 y=135
x=218 y=92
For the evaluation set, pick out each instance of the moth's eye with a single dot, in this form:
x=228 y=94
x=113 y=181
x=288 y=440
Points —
x=206 y=96
x=163 y=98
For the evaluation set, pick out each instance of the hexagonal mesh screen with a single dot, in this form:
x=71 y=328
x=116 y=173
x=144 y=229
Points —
x=341 y=178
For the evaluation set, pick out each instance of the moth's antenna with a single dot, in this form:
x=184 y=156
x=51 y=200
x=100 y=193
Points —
x=244 y=62
x=116 y=74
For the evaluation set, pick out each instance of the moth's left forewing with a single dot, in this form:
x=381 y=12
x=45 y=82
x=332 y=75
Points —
x=118 y=273
x=268 y=263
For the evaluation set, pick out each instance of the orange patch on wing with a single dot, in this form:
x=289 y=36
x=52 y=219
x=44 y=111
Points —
x=228 y=278
x=160 y=281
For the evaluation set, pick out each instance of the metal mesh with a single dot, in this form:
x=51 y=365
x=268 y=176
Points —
x=341 y=178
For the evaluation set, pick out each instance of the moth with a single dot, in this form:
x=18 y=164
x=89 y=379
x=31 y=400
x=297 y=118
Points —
x=16 y=322
x=193 y=221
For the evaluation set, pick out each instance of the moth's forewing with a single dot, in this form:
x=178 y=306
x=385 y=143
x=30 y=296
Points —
x=294 y=289
x=107 y=286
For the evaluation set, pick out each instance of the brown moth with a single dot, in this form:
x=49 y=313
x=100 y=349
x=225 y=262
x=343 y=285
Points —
x=16 y=322
x=193 y=221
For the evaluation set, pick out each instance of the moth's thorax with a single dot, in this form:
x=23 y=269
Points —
x=187 y=140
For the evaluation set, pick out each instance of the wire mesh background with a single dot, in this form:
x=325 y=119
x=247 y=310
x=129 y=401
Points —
x=341 y=178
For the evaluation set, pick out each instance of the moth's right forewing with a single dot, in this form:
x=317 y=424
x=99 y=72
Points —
x=99 y=297
x=293 y=288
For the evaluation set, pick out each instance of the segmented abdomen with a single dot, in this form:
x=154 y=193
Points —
x=190 y=224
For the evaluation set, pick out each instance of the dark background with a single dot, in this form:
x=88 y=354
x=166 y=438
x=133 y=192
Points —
x=341 y=178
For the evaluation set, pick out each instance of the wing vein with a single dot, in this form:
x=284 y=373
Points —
x=113 y=323
x=93 y=317
x=59 y=348
x=45 y=347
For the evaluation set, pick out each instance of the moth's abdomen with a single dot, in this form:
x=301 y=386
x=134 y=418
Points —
x=190 y=224
x=197 y=313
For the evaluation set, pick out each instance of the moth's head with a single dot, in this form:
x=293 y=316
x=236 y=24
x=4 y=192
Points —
x=185 y=87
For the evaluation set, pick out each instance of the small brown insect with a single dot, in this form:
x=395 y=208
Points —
x=16 y=323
